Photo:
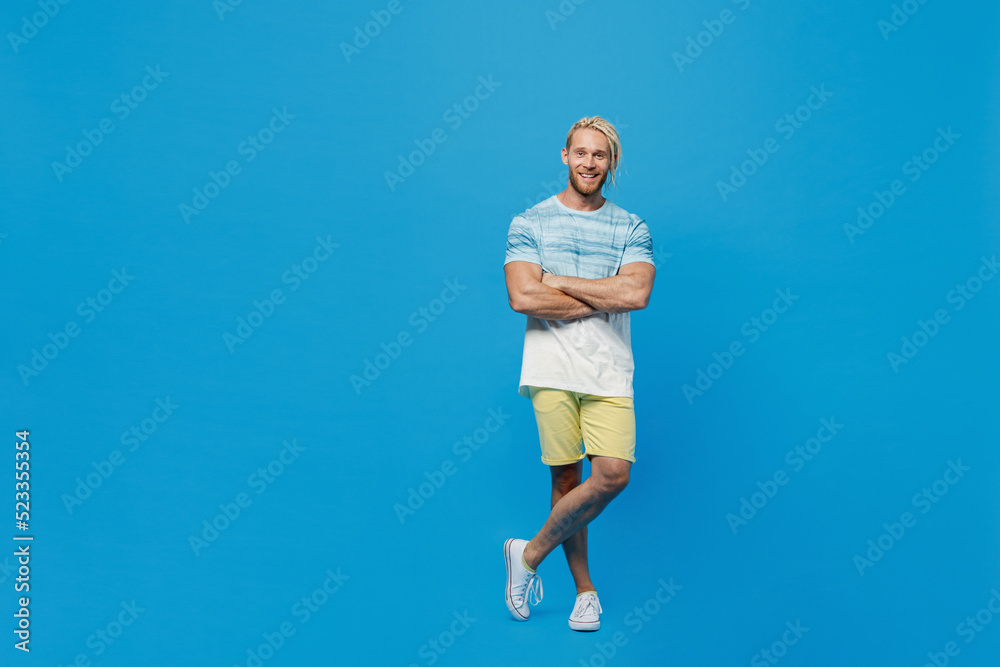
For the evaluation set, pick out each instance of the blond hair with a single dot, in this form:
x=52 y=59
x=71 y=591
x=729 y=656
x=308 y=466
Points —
x=609 y=131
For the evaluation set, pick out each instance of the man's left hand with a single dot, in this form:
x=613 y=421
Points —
x=551 y=280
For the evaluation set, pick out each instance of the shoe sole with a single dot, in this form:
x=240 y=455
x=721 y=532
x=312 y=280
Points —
x=510 y=604
x=585 y=627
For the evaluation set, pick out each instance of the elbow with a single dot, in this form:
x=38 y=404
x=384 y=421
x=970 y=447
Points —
x=516 y=302
x=640 y=301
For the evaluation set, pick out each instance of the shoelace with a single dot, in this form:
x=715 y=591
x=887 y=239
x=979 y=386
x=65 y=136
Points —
x=586 y=602
x=534 y=589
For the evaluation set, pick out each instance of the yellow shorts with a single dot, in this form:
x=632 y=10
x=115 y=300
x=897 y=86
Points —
x=568 y=419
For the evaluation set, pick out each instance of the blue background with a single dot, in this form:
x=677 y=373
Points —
x=720 y=261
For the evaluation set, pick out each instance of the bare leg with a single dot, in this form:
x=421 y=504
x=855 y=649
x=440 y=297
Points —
x=565 y=479
x=578 y=507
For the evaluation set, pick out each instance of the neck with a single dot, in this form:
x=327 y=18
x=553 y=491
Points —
x=573 y=199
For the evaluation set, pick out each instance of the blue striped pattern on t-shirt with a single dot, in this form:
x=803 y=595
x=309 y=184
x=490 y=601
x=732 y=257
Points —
x=583 y=244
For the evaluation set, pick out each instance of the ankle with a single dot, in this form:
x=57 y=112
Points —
x=529 y=558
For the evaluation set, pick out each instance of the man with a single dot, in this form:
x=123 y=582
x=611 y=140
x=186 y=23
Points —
x=576 y=265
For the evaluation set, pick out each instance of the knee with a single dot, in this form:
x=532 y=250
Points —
x=613 y=482
x=565 y=479
x=561 y=487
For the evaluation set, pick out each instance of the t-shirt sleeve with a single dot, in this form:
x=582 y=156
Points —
x=522 y=242
x=639 y=247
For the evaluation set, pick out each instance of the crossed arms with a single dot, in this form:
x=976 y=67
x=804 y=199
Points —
x=550 y=297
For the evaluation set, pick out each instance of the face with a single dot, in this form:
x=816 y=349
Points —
x=589 y=159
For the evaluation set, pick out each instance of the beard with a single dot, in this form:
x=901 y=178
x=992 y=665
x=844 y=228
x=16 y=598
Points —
x=586 y=188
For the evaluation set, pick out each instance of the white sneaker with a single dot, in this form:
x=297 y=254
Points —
x=586 y=616
x=522 y=586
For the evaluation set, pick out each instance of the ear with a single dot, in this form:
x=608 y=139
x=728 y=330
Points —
x=565 y=157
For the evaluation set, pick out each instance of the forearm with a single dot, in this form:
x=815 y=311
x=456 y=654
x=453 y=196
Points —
x=616 y=294
x=548 y=303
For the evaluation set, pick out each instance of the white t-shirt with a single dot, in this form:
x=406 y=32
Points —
x=593 y=354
